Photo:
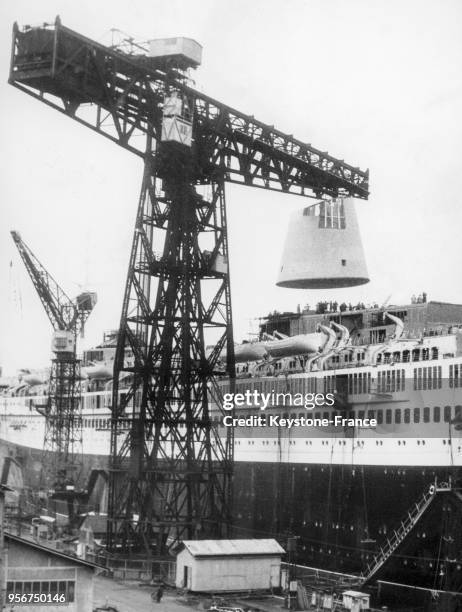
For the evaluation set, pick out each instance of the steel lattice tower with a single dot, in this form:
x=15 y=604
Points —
x=62 y=445
x=170 y=469
x=171 y=474
x=62 y=458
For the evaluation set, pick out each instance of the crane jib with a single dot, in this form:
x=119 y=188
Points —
x=121 y=95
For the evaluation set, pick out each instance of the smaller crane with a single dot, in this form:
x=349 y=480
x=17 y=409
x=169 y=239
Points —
x=62 y=446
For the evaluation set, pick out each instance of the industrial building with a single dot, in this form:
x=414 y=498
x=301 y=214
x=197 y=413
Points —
x=46 y=580
x=229 y=565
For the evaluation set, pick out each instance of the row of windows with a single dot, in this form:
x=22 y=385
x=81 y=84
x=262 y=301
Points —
x=95 y=423
x=330 y=384
x=427 y=378
x=42 y=587
x=331 y=443
x=390 y=381
x=418 y=354
x=455 y=375
x=332 y=215
x=359 y=383
x=347 y=358
x=92 y=402
x=388 y=416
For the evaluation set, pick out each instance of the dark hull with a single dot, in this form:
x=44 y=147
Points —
x=341 y=514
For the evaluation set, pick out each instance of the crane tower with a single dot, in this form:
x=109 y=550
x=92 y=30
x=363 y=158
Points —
x=171 y=470
x=62 y=446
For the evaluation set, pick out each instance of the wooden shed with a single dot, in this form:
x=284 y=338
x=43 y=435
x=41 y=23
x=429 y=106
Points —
x=229 y=565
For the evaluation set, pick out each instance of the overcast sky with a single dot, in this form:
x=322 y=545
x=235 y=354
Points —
x=376 y=83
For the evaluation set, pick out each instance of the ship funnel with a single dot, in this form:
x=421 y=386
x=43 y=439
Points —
x=323 y=248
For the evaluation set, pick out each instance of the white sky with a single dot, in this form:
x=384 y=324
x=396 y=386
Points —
x=377 y=83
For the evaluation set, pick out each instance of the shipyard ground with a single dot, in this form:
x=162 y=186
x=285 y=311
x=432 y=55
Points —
x=129 y=596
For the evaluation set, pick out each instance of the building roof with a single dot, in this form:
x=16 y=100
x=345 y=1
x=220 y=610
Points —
x=97 y=522
x=51 y=551
x=228 y=548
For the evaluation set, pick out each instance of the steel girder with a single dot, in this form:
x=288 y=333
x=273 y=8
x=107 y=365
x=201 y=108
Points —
x=120 y=96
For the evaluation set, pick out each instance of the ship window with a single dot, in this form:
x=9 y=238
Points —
x=398 y=416
x=415 y=355
x=379 y=417
x=332 y=215
x=436 y=414
x=371 y=414
x=425 y=354
x=447 y=414
x=407 y=415
x=416 y=415
x=361 y=414
x=434 y=352
x=405 y=356
x=388 y=414
x=458 y=414
x=426 y=415
x=325 y=415
x=98 y=401
x=317 y=415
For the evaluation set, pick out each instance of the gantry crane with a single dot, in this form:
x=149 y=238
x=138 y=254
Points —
x=62 y=445
x=171 y=471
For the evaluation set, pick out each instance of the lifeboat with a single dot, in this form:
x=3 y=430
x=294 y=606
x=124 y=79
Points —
x=97 y=372
x=291 y=346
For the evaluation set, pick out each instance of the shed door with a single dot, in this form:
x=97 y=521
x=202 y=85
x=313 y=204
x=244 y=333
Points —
x=275 y=576
x=187 y=577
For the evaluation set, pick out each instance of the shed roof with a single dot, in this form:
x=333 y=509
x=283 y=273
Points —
x=51 y=551
x=97 y=522
x=224 y=548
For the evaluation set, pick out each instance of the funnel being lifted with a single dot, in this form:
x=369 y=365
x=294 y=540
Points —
x=323 y=248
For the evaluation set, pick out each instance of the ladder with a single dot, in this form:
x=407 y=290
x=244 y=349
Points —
x=392 y=543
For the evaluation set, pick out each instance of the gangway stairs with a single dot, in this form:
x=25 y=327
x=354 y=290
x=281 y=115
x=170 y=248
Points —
x=401 y=533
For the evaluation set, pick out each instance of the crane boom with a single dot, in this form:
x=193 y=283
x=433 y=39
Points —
x=58 y=306
x=121 y=96
x=63 y=313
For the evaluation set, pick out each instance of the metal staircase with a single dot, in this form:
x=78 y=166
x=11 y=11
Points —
x=401 y=533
